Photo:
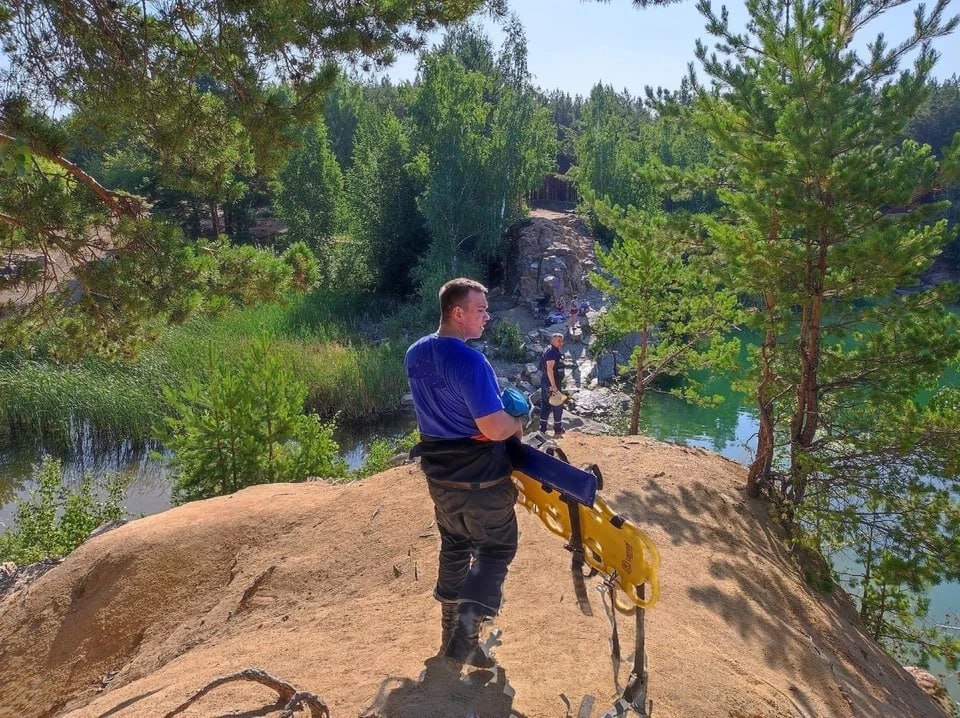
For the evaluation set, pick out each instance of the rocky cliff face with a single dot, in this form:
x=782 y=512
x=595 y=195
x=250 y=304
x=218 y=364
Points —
x=551 y=255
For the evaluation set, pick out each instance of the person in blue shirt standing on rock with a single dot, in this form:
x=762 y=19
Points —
x=551 y=379
x=463 y=427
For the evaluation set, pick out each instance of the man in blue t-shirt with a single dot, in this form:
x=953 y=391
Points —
x=462 y=429
x=551 y=379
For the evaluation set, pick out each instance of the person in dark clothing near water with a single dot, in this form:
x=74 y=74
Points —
x=551 y=379
x=463 y=427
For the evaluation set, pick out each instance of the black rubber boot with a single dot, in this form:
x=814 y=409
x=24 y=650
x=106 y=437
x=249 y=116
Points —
x=464 y=646
x=448 y=621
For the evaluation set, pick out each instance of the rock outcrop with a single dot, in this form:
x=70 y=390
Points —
x=551 y=254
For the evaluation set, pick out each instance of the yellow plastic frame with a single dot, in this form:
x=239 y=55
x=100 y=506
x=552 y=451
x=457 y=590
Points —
x=624 y=551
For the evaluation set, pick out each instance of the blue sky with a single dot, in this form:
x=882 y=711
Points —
x=573 y=44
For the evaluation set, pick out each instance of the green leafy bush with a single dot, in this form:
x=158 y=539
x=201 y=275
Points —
x=245 y=425
x=304 y=265
x=507 y=337
x=55 y=518
x=381 y=452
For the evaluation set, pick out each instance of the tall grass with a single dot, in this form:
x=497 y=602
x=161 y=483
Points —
x=323 y=335
x=48 y=403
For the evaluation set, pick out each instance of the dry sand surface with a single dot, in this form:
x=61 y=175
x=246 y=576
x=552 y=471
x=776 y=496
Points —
x=328 y=587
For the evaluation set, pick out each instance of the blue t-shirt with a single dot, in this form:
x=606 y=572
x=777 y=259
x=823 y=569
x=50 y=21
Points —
x=452 y=384
x=551 y=354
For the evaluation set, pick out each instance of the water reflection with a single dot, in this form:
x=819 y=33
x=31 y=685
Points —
x=148 y=490
x=354 y=441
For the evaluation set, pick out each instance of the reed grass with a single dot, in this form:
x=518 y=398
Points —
x=348 y=377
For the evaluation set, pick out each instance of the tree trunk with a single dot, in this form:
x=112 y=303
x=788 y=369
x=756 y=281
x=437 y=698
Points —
x=196 y=226
x=215 y=219
x=229 y=222
x=762 y=466
x=638 y=386
x=803 y=427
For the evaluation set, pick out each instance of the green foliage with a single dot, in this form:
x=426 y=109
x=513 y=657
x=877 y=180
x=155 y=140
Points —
x=309 y=191
x=380 y=453
x=381 y=197
x=343 y=107
x=507 y=337
x=937 y=123
x=244 y=276
x=617 y=146
x=323 y=335
x=482 y=144
x=245 y=425
x=56 y=518
x=605 y=336
x=194 y=104
x=54 y=403
x=937 y=120
x=151 y=278
x=673 y=299
x=825 y=213
x=303 y=265
x=608 y=149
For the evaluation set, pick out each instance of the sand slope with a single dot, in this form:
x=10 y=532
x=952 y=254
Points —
x=328 y=587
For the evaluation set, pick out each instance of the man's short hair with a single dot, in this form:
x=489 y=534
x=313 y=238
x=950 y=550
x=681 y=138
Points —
x=454 y=293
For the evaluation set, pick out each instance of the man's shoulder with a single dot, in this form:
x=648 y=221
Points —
x=446 y=346
x=428 y=341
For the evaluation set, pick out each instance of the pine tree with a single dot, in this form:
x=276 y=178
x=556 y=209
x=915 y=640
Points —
x=671 y=298
x=827 y=213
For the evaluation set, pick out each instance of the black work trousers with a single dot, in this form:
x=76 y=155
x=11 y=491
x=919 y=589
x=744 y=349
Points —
x=478 y=540
x=546 y=408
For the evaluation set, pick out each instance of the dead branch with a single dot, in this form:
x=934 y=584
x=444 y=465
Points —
x=291 y=697
x=118 y=204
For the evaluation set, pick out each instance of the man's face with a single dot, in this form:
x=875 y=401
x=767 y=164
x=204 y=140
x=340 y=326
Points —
x=473 y=314
x=557 y=342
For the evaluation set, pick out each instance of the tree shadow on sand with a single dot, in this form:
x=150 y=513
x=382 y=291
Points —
x=441 y=692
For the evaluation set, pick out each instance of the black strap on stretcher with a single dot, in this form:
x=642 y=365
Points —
x=634 y=695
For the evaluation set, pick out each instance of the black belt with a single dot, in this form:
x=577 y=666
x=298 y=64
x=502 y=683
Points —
x=468 y=485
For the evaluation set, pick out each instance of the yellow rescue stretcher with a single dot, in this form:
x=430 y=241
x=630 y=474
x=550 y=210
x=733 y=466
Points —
x=565 y=499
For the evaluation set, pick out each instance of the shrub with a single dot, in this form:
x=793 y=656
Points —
x=55 y=519
x=381 y=451
x=507 y=337
x=245 y=425
x=304 y=265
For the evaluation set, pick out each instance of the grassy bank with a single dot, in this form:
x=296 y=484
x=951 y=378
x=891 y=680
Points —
x=325 y=337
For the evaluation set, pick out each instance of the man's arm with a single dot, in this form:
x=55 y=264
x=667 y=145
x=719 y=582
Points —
x=499 y=426
x=551 y=377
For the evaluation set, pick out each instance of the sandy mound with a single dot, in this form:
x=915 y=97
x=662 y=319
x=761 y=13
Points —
x=328 y=588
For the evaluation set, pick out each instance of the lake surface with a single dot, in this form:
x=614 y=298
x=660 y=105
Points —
x=729 y=430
